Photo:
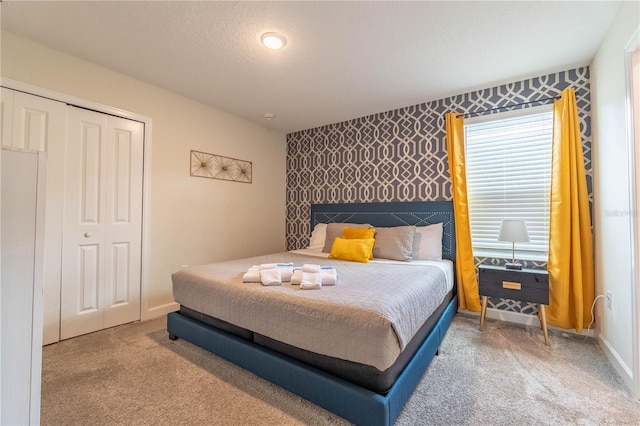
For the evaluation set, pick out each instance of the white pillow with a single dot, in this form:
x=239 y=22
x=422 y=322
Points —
x=427 y=242
x=318 y=236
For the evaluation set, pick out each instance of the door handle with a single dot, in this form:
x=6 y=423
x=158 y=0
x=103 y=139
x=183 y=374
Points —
x=87 y=234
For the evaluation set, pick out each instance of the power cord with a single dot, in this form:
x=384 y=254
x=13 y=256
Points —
x=592 y=316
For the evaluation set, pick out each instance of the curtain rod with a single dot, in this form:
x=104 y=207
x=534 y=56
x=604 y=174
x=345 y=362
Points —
x=487 y=111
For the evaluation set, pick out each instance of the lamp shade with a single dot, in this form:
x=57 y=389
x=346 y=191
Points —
x=514 y=230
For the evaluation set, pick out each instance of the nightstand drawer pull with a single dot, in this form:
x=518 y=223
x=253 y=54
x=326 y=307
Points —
x=511 y=285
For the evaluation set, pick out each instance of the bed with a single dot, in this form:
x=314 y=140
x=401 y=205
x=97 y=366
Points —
x=363 y=363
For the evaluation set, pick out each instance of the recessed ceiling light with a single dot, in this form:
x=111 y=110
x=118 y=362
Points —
x=273 y=40
x=268 y=115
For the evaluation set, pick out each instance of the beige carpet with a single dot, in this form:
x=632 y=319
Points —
x=134 y=375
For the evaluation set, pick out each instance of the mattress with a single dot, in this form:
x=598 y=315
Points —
x=369 y=318
x=362 y=375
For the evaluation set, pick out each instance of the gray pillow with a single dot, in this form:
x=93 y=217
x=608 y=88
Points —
x=334 y=230
x=394 y=243
x=427 y=243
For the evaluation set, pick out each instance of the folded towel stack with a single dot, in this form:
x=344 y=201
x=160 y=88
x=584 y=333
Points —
x=311 y=281
x=329 y=275
x=286 y=271
x=270 y=274
x=296 y=278
x=252 y=275
x=311 y=277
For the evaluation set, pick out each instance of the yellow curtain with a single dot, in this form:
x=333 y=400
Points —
x=571 y=285
x=468 y=297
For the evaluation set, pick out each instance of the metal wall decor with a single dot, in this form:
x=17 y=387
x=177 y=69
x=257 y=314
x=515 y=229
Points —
x=218 y=167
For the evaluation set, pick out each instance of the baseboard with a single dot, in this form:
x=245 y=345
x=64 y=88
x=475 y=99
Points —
x=623 y=370
x=526 y=320
x=158 y=311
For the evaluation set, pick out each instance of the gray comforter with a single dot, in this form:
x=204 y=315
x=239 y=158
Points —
x=369 y=317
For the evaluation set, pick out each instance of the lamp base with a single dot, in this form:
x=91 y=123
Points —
x=515 y=266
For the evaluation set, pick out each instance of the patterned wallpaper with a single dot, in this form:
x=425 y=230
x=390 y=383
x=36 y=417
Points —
x=400 y=155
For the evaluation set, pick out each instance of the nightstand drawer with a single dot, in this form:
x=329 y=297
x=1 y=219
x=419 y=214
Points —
x=527 y=285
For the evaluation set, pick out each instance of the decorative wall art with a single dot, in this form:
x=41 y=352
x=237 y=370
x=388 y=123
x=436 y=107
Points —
x=218 y=167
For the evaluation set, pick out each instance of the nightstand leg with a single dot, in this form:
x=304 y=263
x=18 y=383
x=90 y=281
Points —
x=543 y=323
x=484 y=311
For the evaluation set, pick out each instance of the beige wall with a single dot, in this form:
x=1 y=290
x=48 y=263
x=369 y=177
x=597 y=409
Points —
x=612 y=209
x=192 y=220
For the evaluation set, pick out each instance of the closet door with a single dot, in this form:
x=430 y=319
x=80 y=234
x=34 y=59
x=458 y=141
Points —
x=123 y=244
x=21 y=286
x=35 y=124
x=102 y=230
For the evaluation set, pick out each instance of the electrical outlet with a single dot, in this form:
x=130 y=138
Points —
x=608 y=295
x=184 y=266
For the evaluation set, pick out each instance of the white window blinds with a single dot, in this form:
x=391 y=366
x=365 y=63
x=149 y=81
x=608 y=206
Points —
x=508 y=165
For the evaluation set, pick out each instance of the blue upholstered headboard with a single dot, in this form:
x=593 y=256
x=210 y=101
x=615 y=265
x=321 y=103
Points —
x=419 y=213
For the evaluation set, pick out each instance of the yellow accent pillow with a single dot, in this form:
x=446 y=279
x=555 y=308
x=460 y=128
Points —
x=358 y=233
x=357 y=250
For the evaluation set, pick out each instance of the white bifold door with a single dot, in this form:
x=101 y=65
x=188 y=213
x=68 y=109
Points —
x=102 y=224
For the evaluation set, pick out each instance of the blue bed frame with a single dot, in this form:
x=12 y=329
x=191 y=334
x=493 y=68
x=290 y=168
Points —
x=354 y=403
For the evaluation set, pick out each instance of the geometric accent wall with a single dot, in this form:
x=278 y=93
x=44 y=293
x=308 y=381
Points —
x=400 y=155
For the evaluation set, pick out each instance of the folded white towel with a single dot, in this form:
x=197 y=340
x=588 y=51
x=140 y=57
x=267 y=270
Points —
x=311 y=280
x=268 y=266
x=329 y=275
x=252 y=275
x=270 y=276
x=286 y=271
x=310 y=267
x=296 y=277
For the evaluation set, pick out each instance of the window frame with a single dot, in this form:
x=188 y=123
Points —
x=506 y=251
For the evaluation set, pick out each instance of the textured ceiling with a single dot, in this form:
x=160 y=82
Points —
x=342 y=59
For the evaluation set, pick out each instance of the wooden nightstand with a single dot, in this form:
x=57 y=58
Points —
x=526 y=285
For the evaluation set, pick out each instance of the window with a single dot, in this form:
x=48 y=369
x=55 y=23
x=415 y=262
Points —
x=508 y=169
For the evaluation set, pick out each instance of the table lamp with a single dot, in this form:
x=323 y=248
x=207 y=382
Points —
x=515 y=231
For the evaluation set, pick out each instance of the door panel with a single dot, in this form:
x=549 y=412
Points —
x=121 y=272
x=91 y=146
x=103 y=223
x=31 y=120
x=6 y=117
x=83 y=231
x=122 y=178
x=88 y=279
x=123 y=220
